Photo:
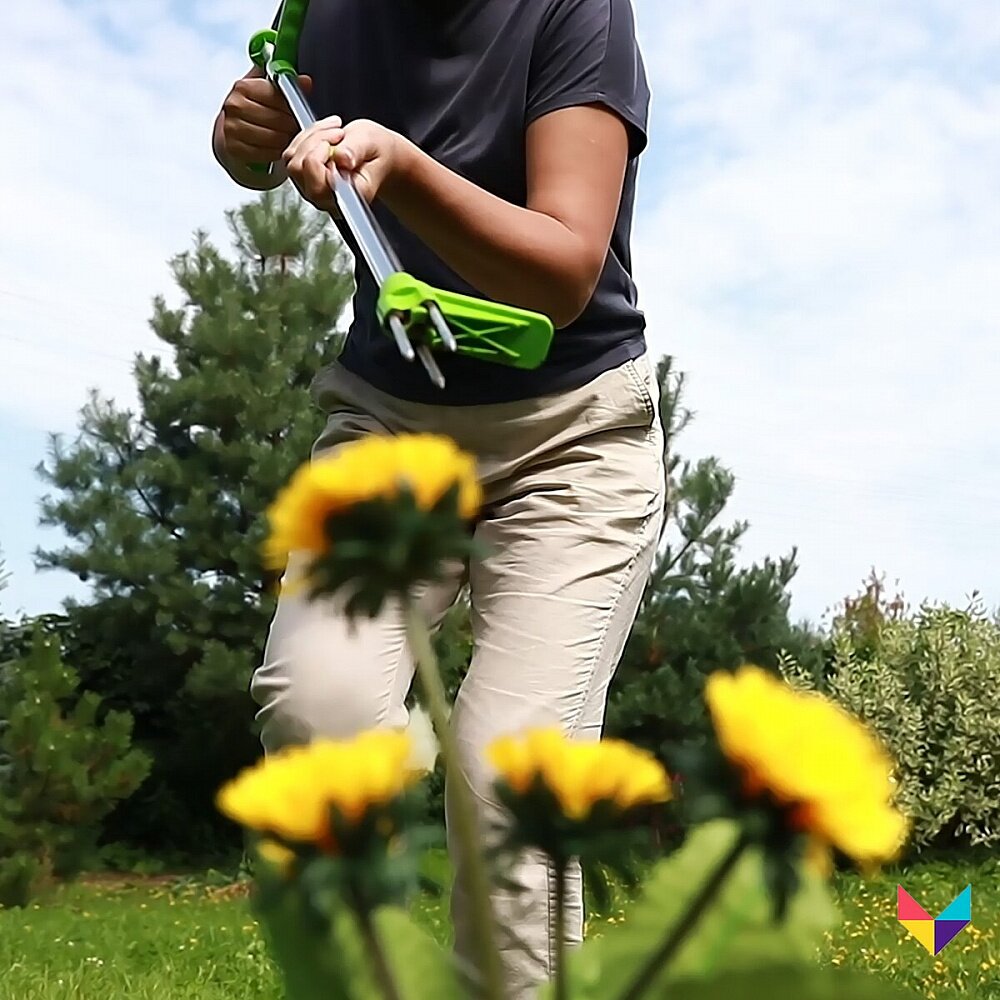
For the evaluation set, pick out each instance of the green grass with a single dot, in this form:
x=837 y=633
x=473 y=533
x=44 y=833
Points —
x=182 y=939
x=871 y=937
x=145 y=942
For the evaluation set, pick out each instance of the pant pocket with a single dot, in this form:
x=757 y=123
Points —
x=642 y=378
x=621 y=399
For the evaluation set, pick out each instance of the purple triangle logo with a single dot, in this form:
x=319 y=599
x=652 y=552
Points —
x=945 y=931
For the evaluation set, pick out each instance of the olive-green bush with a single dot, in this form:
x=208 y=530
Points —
x=928 y=683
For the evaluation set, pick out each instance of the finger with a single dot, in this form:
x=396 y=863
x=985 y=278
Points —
x=322 y=199
x=307 y=134
x=249 y=153
x=239 y=107
x=307 y=164
x=306 y=83
x=255 y=135
x=344 y=157
x=262 y=100
x=329 y=130
x=261 y=92
x=361 y=183
x=348 y=156
x=325 y=127
x=317 y=172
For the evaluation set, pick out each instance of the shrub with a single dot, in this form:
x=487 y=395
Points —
x=927 y=683
x=61 y=771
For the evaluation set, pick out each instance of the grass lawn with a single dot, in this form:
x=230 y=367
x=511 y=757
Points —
x=177 y=939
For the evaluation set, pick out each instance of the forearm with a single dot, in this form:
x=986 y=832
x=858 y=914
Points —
x=512 y=254
x=240 y=172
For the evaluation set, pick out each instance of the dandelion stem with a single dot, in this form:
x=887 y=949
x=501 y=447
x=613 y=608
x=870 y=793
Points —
x=463 y=816
x=679 y=933
x=380 y=963
x=560 y=932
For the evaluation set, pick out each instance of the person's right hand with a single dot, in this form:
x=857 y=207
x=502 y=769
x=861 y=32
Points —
x=257 y=125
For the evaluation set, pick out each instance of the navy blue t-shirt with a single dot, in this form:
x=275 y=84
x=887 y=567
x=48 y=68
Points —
x=463 y=79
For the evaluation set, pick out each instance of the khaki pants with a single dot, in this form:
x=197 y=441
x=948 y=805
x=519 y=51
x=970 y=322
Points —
x=574 y=487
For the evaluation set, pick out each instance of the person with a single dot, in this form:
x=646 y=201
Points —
x=498 y=142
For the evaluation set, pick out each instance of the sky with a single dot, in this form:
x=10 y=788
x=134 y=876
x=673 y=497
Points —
x=817 y=243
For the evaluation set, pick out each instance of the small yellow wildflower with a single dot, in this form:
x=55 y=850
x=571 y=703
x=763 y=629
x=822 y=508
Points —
x=811 y=756
x=276 y=855
x=290 y=794
x=580 y=775
x=376 y=467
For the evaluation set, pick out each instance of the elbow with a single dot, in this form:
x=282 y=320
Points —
x=564 y=313
x=572 y=291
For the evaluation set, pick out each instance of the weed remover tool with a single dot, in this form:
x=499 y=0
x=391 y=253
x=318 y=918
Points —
x=420 y=319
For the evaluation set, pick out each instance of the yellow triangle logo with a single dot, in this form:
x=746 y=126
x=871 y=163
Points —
x=923 y=931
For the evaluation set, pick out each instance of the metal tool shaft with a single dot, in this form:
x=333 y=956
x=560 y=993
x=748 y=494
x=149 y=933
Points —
x=378 y=255
x=375 y=249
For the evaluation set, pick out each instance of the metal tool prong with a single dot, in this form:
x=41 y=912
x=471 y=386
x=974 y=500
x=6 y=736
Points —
x=431 y=366
x=441 y=325
x=399 y=335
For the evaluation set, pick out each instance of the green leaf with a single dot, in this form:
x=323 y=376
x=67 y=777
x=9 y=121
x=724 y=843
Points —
x=737 y=932
x=302 y=944
x=318 y=946
x=421 y=967
x=789 y=983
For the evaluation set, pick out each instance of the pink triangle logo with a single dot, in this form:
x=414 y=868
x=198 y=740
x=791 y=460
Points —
x=907 y=908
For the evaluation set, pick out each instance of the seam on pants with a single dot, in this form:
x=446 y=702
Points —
x=573 y=725
x=640 y=387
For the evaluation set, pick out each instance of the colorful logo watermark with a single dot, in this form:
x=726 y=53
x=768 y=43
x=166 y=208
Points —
x=934 y=933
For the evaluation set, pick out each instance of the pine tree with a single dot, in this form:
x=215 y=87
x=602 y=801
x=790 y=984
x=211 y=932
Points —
x=164 y=507
x=702 y=610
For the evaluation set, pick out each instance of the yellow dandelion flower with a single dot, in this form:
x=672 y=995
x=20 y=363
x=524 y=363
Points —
x=290 y=794
x=812 y=757
x=376 y=467
x=580 y=775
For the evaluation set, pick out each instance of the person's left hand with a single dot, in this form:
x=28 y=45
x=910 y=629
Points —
x=366 y=150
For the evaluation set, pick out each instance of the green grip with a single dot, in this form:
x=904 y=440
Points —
x=284 y=39
x=286 y=45
x=285 y=51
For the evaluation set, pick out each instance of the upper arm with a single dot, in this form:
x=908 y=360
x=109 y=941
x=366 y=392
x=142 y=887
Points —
x=576 y=160
x=586 y=116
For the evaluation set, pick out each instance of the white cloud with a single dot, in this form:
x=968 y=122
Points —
x=105 y=173
x=111 y=174
x=826 y=255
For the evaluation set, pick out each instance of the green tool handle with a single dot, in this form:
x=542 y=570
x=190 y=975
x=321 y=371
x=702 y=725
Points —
x=285 y=41
x=286 y=45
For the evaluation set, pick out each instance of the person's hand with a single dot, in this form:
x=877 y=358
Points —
x=370 y=153
x=257 y=125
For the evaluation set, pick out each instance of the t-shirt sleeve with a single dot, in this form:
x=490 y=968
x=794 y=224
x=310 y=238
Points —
x=586 y=52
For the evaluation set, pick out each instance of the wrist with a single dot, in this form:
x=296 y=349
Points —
x=399 y=185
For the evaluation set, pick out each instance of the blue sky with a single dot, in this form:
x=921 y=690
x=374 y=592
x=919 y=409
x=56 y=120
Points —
x=818 y=242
